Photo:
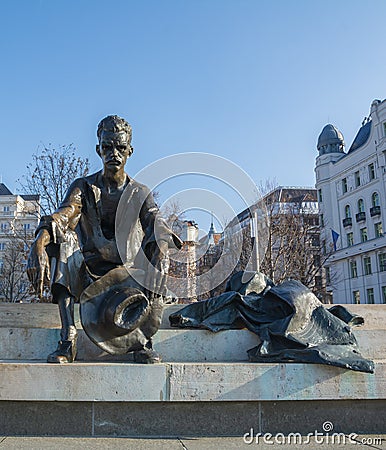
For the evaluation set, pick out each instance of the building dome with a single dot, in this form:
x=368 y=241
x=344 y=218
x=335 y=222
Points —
x=330 y=140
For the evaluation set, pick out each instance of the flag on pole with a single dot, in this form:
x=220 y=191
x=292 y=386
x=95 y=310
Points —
x=335 y=237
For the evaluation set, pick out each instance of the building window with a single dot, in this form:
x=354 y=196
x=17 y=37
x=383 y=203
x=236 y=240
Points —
x=371 y=171
x=384 y=294
x=382 y=262
x=324 y=248
x=353 y=269
x=356 y=297
x=350 y=239
x=370 y=296
x=344 y=185
x=363 y=234
x=361 y=205
x=375 y=199
x=328 y=275
x=2 y=246
x=378 y=229
x=6 y=209
x=26 y=226
x=320 y=196
x=4 y=227
x=347 y=221
x=367 y=265
x=321 y=220
x=357 y=179
x=315 y=241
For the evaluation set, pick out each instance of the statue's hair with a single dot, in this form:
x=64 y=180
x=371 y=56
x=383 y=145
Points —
x=114 y=124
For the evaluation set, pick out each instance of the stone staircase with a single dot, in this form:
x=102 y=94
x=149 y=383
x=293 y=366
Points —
x=204 y=387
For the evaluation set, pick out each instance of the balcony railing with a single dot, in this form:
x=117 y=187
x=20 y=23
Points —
x=347 y=222
x=360 y=217
x=375 y=211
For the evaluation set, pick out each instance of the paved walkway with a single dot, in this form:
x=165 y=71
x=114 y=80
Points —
x=224 y=443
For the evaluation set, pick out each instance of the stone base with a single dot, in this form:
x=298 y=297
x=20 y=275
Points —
x=200 y=389
x=155 y=419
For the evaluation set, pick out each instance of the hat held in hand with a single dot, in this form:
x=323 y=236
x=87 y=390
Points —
x=112 y=311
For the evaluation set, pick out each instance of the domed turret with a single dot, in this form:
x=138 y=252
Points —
x=330 y=140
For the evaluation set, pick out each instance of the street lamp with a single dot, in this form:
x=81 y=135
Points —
x=255 y=241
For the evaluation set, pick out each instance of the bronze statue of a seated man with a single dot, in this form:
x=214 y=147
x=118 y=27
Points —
x=76 y=248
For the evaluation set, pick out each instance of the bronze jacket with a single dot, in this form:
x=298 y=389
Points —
x=137 y=226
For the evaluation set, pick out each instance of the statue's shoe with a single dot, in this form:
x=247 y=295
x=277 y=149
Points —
x=65 y=353
x=147 y=356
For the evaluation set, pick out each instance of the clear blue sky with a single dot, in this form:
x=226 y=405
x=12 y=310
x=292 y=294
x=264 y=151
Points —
x=253 y=81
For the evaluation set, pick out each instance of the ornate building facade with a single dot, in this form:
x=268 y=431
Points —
x=352 y=203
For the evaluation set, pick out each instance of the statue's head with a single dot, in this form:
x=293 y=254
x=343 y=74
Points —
x=114 y=147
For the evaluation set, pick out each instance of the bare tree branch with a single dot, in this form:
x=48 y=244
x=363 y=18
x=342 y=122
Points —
x=50 y=174
x=14 y=284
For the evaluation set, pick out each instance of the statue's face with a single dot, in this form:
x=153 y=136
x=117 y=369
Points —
x=114 y=149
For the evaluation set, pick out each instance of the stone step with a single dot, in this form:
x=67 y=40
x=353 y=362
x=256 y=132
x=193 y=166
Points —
x=188 y=399
x=175 y=345
x=186 y=382
x=44 y=315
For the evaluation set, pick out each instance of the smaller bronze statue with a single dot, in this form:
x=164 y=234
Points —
x=76 y=248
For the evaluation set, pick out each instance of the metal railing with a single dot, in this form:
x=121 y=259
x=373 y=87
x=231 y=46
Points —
x=347 y=222
x=375 y=211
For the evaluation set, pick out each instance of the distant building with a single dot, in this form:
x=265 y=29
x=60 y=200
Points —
x=283 y=225
x=196 y=256
x=352 y=201
x=280 y=236
x=208 y=254
x=183 y=263
x=209 y=246
x=19 y=217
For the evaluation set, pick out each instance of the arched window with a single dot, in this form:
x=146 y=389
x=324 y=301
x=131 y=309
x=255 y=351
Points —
x=361 y=205
x=375 y=199
x=347 y=212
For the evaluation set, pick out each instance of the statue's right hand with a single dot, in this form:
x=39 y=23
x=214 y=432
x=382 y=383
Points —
x=38 y=265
